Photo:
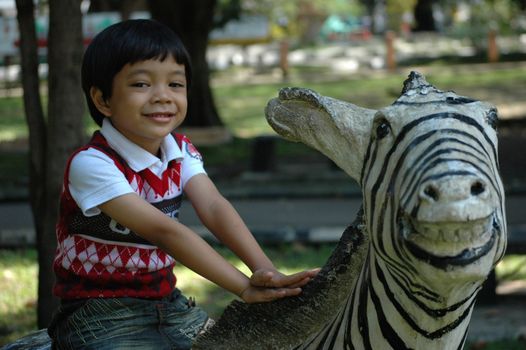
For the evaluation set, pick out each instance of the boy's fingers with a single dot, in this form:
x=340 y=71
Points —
x=300 y=283
x=259 y=295
x=288 y=292
x=315 y=271
x=262 y=278
x=267 y=278
x=297 y=279
x=270 y=294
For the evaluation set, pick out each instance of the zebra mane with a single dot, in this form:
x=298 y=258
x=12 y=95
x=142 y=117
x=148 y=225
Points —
x=416 y=83
x=417 y=90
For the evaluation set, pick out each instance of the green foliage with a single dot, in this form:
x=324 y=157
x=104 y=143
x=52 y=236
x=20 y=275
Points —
x=482 y=16
x=285 y=16
x=396 y=9
x=513 y=268
x=226 y=10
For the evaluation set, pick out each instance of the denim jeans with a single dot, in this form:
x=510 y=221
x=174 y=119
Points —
x=128 y=323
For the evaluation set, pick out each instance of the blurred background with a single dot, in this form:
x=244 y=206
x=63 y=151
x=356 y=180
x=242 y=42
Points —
x=296 y=202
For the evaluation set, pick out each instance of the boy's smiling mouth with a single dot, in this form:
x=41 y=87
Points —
x=160 y=116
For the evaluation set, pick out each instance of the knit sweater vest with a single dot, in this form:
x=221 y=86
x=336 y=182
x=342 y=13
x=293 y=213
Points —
x=98 y=258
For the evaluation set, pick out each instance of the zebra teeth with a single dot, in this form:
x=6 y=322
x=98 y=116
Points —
x=454 y=232
x=454 y=243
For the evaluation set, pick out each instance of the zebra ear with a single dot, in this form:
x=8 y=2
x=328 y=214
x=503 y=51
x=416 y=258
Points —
x=338 y=129
x=347 y=136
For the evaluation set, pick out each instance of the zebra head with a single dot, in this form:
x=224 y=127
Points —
x=428 y=168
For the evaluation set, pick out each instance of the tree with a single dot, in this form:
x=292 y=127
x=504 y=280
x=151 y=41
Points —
x=301 y=19
x=125 y=8
x=193 y=21
x=423 y=12
x=51 y=139
x=396 y=10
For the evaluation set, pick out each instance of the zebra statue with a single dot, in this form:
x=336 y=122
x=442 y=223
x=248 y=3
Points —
x=406 y=274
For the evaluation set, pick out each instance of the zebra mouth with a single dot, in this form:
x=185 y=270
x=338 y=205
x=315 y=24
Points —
x=443 y=244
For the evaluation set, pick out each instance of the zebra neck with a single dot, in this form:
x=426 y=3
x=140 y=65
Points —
x=405 y=319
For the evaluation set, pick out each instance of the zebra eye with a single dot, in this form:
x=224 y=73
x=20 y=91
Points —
x=382 y=129
x=492 y=118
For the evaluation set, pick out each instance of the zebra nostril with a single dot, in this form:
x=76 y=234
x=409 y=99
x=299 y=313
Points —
x=431 y=192
x=477 y=188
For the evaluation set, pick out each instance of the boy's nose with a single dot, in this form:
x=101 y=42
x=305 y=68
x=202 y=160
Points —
x=161 y=94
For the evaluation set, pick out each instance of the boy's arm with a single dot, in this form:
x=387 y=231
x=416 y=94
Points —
x=220 y=217
x=184 y=245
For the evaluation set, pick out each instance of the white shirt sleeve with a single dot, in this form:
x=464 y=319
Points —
x=192 y=162
x=95 y=179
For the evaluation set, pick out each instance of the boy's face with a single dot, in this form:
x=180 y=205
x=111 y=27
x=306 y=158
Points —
x=148 y=101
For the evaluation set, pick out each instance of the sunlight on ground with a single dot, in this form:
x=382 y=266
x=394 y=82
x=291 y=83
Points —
x=18 y=284
x=11 y=135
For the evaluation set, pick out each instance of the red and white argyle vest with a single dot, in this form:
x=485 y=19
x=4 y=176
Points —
x=98 y=258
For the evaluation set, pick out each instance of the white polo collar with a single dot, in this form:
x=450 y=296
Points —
x=137 y=157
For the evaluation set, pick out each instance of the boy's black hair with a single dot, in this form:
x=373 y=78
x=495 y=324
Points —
x=126 y=42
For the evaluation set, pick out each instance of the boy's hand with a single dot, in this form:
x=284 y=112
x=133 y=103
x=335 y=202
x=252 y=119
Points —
x=261 y=294
x=267 y=285
x=275 y=279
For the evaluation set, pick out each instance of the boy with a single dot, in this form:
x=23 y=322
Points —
x=117 y=237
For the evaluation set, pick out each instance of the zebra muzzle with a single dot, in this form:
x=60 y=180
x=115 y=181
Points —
x=444 y=244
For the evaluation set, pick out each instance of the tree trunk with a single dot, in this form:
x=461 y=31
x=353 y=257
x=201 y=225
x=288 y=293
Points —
x=424 y=16
x=125 y=8
x=33 y=107
x=193 y=21
x=64 y=131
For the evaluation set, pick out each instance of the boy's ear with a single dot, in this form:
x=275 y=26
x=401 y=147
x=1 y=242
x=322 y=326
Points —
x=99 y=101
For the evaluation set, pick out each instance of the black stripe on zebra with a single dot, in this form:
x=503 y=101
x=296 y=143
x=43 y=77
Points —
x=405 y=130
x=424 y=162
x=431 y=312
x=387 y=330
x=430 y=335
x=363 y=325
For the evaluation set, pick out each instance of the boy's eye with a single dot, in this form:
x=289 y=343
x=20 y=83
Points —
x=139 y=84
x=176 y=84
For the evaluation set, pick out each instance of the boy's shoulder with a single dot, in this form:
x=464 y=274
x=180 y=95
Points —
x=179 y=138
x=186 y=146
x=95 y=150
x=99 y=143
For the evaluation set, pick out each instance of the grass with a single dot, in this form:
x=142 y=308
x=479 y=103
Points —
x=12 y=122
x=18 y=283
x=241 y=106
x=245 y=117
